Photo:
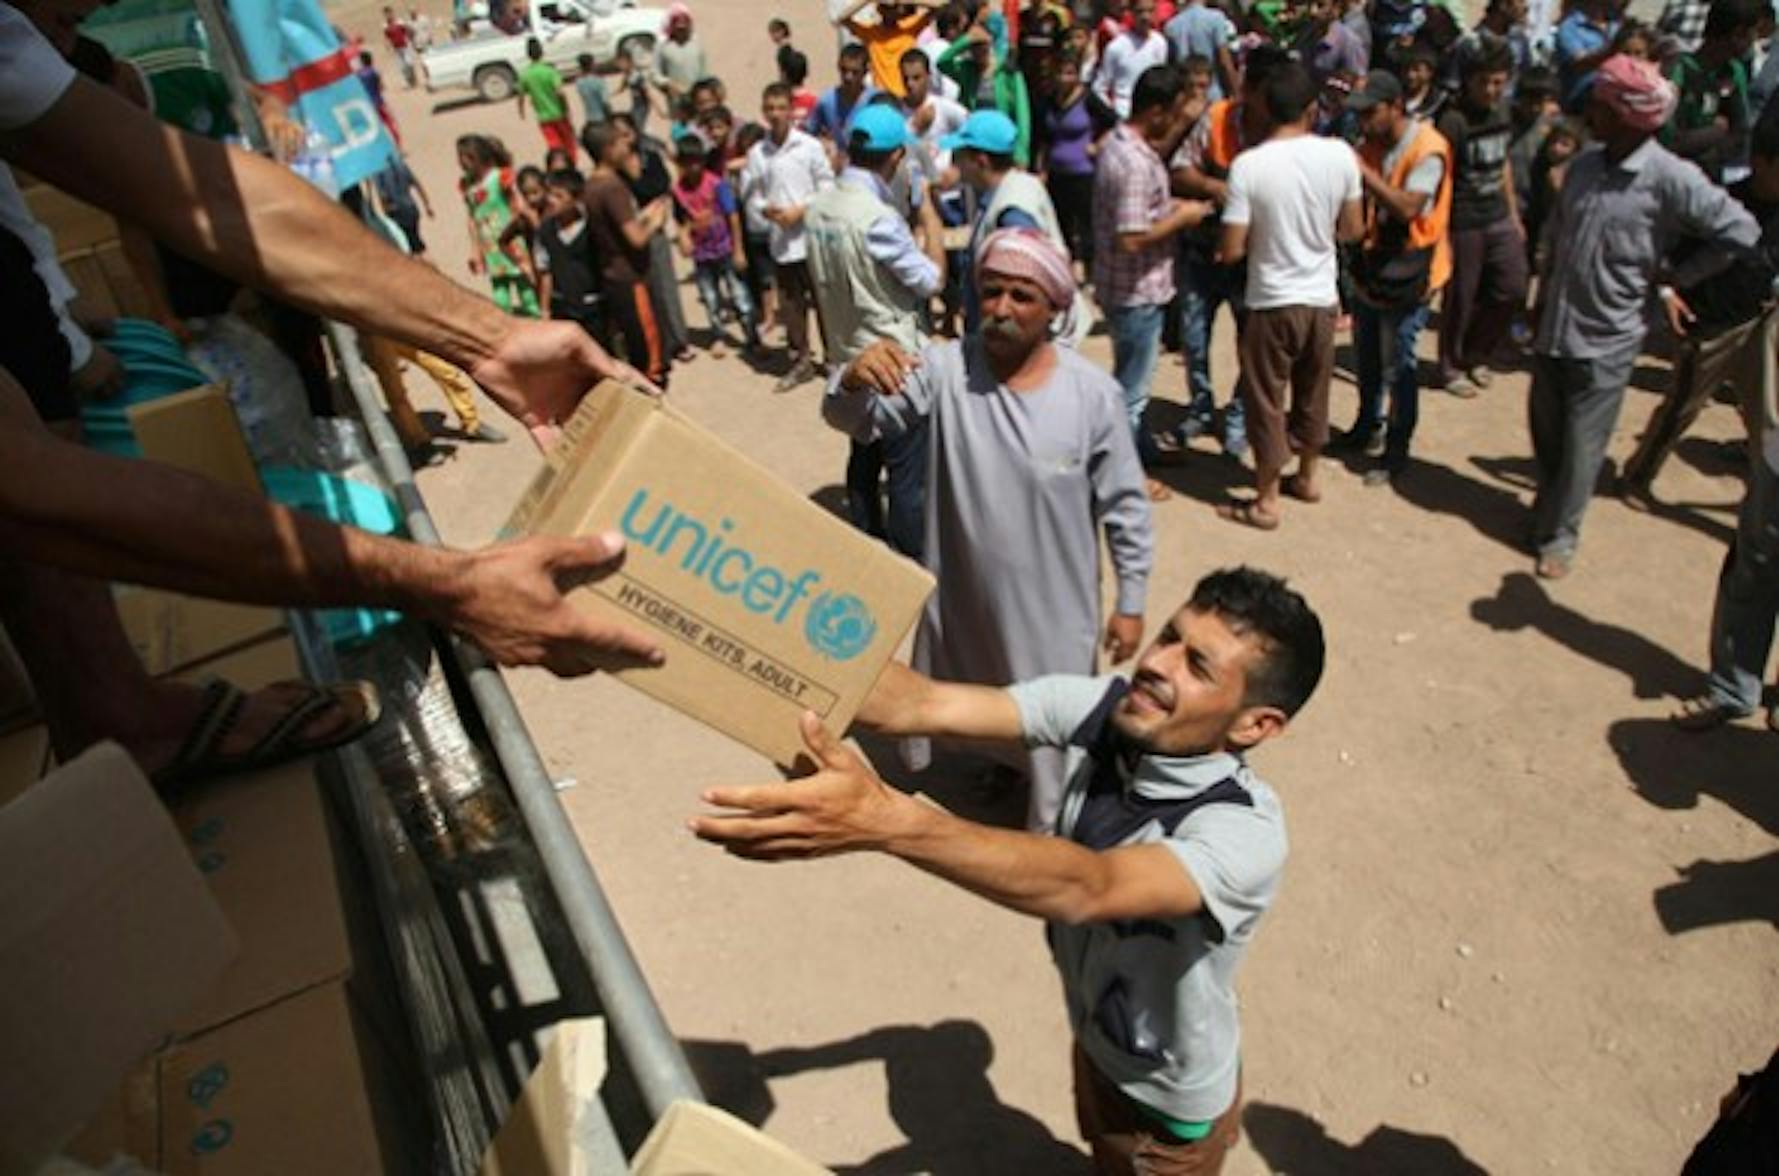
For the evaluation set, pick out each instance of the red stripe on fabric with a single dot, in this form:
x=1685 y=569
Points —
x=315 y=76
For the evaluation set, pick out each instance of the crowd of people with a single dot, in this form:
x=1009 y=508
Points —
x=987 y=184
x=1320 y=169
x=933 y=239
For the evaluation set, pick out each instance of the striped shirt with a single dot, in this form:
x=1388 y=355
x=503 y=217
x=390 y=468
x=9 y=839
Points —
x=1130 y=194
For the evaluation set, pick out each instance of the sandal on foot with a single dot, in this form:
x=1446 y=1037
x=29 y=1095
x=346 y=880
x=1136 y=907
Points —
x=1157 y=491
x=1295 y=487
x=1705 y=713
x=200 y=757
x=1247 y=512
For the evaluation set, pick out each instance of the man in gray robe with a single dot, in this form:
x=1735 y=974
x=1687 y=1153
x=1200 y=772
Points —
x=1031 y=455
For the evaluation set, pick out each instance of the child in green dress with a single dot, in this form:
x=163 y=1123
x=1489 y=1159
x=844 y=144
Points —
x=490 y=196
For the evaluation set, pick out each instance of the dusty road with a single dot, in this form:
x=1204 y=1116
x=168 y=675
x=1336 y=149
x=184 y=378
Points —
x=1526 y=925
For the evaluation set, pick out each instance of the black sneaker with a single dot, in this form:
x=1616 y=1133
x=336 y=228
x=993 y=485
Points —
x=1370 y=442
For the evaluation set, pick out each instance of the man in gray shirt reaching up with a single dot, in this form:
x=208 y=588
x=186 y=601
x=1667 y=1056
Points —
x=1624 y=202
x=1167 y=852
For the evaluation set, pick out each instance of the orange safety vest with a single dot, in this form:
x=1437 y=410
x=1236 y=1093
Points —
x=1429 y=229
x=1225 y=142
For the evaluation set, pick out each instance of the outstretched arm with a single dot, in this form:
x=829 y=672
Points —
x=72 y=508
x=906 y=702
x=844 y=807
x=256 y=222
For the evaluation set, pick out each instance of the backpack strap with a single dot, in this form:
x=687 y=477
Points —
x=1109 y=816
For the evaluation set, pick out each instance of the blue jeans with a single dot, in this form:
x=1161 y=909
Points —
x=1205 y=286
x=1385 y=342
x=1136 y=345
x=1747 y=595
x=717 y=282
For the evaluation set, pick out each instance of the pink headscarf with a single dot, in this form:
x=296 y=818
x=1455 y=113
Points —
x=678 y=12
x=1029 y=254
x=1636 y=91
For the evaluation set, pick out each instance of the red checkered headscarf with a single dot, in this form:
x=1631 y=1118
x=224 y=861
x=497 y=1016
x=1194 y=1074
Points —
x=1029 y=254
x=1636 y=91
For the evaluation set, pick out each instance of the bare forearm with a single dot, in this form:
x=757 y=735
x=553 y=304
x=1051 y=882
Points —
x=1399 y=203
x=907 y=702
x=1192 y=184
x=252 y=220
x=1232 y=245
x=1047 y=877
x=145 y=523
x=932 y=236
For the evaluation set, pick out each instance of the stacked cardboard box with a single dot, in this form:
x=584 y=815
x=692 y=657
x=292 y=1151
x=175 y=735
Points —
x=107 y=935
x=291 y=1060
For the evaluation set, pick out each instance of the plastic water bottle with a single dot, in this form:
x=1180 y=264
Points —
x=316 y=164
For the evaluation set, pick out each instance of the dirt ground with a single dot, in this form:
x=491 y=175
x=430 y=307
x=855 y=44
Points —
x=1526 y=926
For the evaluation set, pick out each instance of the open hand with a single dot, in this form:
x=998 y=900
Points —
x=1680 y=315
x=841 y=806
x=540 y=370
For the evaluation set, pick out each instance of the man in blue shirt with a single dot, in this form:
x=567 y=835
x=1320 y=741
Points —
x=833 y=110
x=1584 y=40
x=872 y=278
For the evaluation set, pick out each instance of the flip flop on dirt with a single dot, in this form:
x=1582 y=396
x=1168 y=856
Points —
x=1157 y=491
x=1247 y=512
x=201 y=756
x=1296 y=487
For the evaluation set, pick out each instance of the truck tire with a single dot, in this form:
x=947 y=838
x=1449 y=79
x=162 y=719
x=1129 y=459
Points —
x=495 y=83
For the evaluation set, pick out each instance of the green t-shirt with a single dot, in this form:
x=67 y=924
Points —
x=1704 y=94
x=540 y=82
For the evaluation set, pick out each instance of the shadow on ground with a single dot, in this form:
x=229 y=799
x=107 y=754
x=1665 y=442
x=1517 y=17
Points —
x=1734 y=764
x=1522 y=603
x=1496 y=513
x=1291 y=1141
x=940 y=1097
x=463 y=102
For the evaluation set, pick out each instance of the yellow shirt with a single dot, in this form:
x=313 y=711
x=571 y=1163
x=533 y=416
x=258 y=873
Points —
x=886 y=42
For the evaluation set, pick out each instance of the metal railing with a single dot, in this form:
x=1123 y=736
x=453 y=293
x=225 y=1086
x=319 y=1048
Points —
x=639 y=1031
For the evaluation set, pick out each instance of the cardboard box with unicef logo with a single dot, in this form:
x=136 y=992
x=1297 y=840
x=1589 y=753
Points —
x=766 y=604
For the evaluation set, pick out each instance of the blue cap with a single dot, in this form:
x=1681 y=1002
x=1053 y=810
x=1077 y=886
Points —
x=986 y=130
x=882 y=128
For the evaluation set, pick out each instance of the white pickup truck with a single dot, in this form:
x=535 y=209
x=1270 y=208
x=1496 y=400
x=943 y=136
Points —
x=488 y=61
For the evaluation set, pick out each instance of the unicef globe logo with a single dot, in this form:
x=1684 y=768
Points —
x=839 y=627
